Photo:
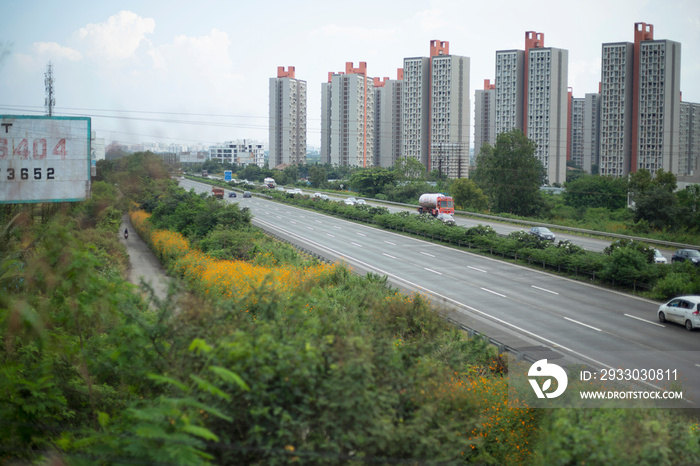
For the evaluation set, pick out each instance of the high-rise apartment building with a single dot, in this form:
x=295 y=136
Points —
x=546 y=111
x=510 y=89
x=531 y=95
x=591 y=131
x=287 y=119
x=640 y=104
x=575 y=154
x=388 y=127
x=689 y=143
x=416 y=101
x=347 y=118
x=484 y=116
x=326 y=119
x=436 y=110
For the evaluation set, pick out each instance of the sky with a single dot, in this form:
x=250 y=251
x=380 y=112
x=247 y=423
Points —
x=197 y=72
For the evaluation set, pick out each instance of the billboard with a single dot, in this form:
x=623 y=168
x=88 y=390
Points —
x=44 y=159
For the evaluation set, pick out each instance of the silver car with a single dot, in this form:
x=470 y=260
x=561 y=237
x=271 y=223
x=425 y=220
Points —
x=684 y=310
x=543 y=233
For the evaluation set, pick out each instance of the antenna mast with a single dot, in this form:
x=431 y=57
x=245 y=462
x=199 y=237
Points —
x=50 y=100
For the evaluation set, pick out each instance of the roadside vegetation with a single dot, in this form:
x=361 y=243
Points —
x=269 y=356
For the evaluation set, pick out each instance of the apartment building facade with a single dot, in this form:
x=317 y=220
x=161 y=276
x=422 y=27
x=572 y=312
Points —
x=484 y=116
x=531 y=94
x=436 y=110
x=591 y=132
x=347 y=118
x=287 y=119
x=510 y=90
x=576 y=130
x=689 y=143
x=640 y=104
x=239 y=152
x=388 y=128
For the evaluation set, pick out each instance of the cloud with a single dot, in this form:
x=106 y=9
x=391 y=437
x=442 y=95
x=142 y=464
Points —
x=189 y=56
x=117 y=38
x=54 y=51
x=366 y=34
x=430 y=20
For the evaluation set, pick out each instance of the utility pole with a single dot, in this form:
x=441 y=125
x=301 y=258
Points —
x=50 y=100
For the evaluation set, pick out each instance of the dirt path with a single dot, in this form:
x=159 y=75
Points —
x=143 y=264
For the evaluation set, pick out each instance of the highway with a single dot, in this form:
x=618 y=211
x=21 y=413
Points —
x=543 y=315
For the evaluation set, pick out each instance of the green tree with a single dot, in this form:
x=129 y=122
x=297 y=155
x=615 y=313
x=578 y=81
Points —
x=409 y=168
x=468 y=195
x=639 y=183
x=596 y=191
x=370 y=181
x=510 y=174
x=318 y=176
x=655 y=200
x=252 y=172
x=658 y=207
x=689 y=205
x=291 y=174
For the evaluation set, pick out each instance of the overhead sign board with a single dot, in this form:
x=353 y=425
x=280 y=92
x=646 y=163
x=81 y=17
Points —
x=227 y=175
x=44 y=159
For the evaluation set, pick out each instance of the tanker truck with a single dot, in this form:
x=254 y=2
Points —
x=436 y=203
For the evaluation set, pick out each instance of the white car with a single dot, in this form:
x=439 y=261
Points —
x=360 y=202
x=684 y=310
x=349 y=201
x=659 y=258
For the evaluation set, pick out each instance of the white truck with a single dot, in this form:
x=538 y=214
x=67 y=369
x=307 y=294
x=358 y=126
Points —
x=436 y=203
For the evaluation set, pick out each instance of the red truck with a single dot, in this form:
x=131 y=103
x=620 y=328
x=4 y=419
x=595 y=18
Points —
x=217 y=192
x=436 y=203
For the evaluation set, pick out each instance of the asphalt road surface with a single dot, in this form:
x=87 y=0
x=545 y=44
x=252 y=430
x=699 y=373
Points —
x=534 y=312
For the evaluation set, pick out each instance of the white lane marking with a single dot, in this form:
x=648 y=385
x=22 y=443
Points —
x=318 y=221
x=431 y=270
x=426 y=254
x=442 y=296
x=388 y=255
x=644 y=320
x=361 y=234
x=544 y=289
x=581 y=323
x=698 y=365
x=337 y=228
x=478 y=270
x=498 y=294
x=278 y=217
x=389 y=242
x=309 y=228
x=328 y=234
x=292 y=221
x=355 y=244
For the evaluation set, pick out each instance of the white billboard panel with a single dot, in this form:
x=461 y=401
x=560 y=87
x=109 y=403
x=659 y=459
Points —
x=44 y=159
